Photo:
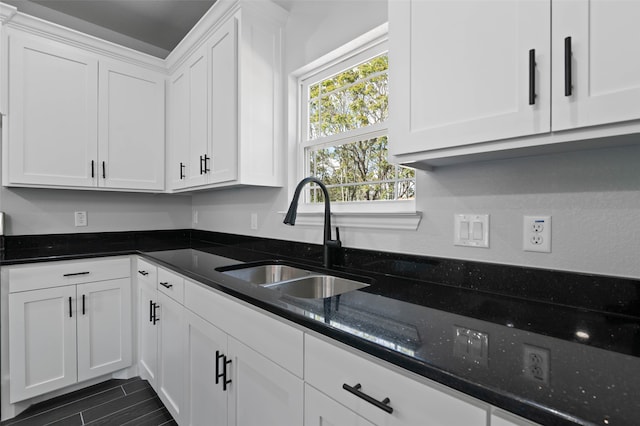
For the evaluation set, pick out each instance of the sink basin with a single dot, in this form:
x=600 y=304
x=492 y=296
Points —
x=268 y=274
x=317 y=286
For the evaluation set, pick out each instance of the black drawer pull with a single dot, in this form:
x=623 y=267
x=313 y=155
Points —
x=143 y=273
x=182 y=166
x=70 y=311
x=150 y=310
x=218 y=375
x=532 y=77
x=104 y=170
x=567 y=66
x=166 y=285
x=93 y=172
x=225 y=382
x=155 y=314
x=83 y=312
x=75 y=274
x=383 y=405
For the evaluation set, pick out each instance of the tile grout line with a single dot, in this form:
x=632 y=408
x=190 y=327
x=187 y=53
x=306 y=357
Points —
x=124 y=408
x=81 y=417
x=144 y=415
x=123 y=390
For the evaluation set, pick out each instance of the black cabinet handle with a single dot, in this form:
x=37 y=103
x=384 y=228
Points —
x=218 y=375
x=93 y=172
x=143 y=273
x=166 y=285
x=155 y=314
x=182 y=166
x=532 y=77
x=74 y=274
x=225 y=381
x=567 y=66
x=83 y=313
x=206 y=166
x=383 y=405
x=150 y=310
x=201 y=161
x=70 y=311
x=104 y=170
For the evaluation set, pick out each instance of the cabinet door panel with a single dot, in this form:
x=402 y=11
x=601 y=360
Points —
x=104 y=327
x=198 y=118
x=53 y=106
x=131 y=138
x=320 y=410
x=605 y=71
x=224 y=103
x=178 y=114
x=206 y=401
x=261 y=392
x=148 y=331
x=171 y=355
x=459 y=72
x=42 y=341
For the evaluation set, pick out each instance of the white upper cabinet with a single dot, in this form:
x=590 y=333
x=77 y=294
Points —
x=604 y=72
x=131 y=127
x=460 y=72
x=231 y=86
x=53 y=114
x=482 y=79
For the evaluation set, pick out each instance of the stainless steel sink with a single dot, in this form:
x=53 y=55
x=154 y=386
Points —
x=294 y=281
x=317 y=286
x=268 y=274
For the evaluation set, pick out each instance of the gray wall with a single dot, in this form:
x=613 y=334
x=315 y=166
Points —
x=593 y=196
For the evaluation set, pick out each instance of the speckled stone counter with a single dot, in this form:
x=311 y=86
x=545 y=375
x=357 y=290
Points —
x=419 y=313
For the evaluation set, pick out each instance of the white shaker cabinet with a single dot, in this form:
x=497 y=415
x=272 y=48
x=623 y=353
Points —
x=604 y=72
x=131 y=127
x=146 y=275
x=52 y=114
x=320 y=410
x=460 y=74
x=68 y=322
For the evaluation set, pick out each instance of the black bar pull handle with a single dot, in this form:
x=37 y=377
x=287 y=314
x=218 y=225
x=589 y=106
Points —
x=166 y=285
x=150 y=310
x=83 y=312
x=182 y=166
x=567 y=66
x=206 y=162
x=74 y=274
x=93 y=171
x=201 y=162
x=155 y=313
x=104 y=170
x=218 y=374
x=143 y=273
x=383 y=405
x=225 y=382
x=70 y=308
x=532 y=77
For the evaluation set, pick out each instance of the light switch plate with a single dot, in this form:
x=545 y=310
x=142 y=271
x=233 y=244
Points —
x=471 y=230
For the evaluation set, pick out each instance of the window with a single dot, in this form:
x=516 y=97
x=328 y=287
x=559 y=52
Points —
x=343 y=130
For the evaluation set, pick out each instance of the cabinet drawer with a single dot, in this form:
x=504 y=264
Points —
x=328 y=368
x=281 y=343
x=146 y=271
x=56 y=274
x=171 y=284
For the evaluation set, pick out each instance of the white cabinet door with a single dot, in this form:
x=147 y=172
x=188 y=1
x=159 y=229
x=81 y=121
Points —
x=104 y=327
x=170 y=386
x=53 y=113
x=205 y=346
x=459 y=72
x=320 y=410
x=178 y=115
x=42 y=341
x=262 y=392
x=223 y=51
x=147 y=331
x=605 y=69
x=131 y=128
x=198 y=123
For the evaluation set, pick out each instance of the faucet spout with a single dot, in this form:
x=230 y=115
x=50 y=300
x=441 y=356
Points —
x=290 y=219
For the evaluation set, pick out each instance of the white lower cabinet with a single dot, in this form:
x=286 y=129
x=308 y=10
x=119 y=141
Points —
x=320 y=410
x=170 y=354
x=331 y=369
x=62 y=334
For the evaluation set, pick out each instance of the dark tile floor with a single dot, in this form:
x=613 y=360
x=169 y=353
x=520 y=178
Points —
x=129 y=402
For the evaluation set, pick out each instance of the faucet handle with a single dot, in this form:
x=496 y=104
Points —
x=337 y=240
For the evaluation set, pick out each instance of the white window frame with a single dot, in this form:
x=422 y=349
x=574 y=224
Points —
x=393 y=214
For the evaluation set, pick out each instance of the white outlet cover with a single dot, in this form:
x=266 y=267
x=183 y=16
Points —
x=80 y=218
x=536 y=234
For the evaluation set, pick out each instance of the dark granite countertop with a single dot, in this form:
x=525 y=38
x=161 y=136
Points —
x=467 y=337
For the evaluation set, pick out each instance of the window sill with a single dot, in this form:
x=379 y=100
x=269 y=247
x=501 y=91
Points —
x=406 y=221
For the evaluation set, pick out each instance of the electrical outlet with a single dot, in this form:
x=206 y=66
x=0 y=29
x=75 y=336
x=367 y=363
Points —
x=535 y=365
x=536 y=234
x=80 y=218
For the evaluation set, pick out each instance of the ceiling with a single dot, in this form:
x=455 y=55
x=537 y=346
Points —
x=151 y=26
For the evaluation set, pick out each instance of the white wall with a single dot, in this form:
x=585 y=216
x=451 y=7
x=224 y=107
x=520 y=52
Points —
x=593 y=196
